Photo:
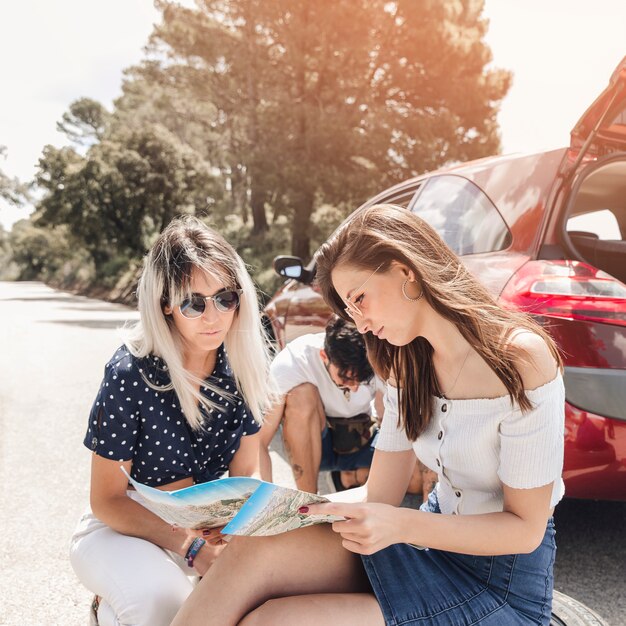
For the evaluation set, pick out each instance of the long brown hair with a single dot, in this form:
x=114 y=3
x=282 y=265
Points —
x=380 y=234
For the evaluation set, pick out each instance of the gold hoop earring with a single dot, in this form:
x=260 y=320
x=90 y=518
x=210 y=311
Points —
x=404 y=293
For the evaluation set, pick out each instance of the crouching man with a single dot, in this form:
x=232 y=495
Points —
x=328 y=408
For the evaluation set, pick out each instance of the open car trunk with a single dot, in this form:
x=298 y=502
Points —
x=602 y=128
x=595 y=218
x=593 y=224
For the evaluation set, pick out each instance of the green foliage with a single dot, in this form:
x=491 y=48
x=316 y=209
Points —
x=46 y=254
x=258 y=251
x=123 y=192
x=8 y=269
x=113 y=268
x=323 y=102
x=85 y=122
x=11 y=189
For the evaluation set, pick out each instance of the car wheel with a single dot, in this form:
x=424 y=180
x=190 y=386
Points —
x=569 y=612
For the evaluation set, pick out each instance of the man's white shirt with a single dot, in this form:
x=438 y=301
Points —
x=300 y=362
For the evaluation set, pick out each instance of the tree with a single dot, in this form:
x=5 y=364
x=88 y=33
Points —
x=123 y=192
x=325 y=101
x=85 y=123
x=38 y=252
x=219 y=44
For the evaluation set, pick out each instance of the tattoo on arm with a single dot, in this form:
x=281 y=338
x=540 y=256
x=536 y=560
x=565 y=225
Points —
x=297 y=471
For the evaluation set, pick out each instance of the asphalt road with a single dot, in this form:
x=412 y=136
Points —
x=53 y=347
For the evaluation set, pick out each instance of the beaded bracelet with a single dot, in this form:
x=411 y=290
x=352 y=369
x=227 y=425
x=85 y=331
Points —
x=193 y=550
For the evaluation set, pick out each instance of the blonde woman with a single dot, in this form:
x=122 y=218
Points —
x=476 y=392
x=180 y=403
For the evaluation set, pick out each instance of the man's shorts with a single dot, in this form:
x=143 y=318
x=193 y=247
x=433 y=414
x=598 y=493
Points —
x=344 y=462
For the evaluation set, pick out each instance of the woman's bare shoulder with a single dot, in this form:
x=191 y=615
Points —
x=533 y=358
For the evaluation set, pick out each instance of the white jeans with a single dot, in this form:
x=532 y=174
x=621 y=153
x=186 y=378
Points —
x=139 y=582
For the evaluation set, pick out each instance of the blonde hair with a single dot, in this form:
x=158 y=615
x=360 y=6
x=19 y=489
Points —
x=184 y=245
x=380 y=234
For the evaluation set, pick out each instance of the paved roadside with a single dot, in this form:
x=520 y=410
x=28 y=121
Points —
x=54 y=346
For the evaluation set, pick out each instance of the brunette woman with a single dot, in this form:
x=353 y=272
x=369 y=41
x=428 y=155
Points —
x=476 y=392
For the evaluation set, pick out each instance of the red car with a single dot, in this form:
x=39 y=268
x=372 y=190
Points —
x=545 y=232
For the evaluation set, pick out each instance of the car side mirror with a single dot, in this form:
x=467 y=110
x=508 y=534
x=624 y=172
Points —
x=292 y=267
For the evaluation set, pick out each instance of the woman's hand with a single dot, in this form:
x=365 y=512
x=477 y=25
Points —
x=210 y=535
x=368 y=527
x=215 y=542
x=214 y=536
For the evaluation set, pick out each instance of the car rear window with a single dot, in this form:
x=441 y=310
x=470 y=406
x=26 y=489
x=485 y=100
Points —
x=601 y=224
x=462 y=214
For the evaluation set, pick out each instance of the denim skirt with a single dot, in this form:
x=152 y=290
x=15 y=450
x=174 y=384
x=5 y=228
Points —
x=434 y=587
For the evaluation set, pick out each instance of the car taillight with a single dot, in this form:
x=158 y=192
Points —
x=567 y=289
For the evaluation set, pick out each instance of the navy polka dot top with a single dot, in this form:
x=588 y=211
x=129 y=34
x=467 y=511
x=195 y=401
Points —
x=130 y=420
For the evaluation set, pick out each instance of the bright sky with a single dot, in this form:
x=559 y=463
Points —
x=561 y=52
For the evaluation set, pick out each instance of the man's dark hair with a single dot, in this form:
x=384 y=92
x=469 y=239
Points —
x=345 y=349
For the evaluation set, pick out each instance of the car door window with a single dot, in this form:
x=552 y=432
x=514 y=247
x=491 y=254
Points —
x=400 y=198
x=462 y=214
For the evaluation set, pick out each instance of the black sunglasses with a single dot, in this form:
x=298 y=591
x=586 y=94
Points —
x=224 y=301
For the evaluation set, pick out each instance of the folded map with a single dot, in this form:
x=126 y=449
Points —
x=245 y=506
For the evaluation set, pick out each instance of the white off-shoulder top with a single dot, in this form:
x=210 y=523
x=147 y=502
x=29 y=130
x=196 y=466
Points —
x=476 y=445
